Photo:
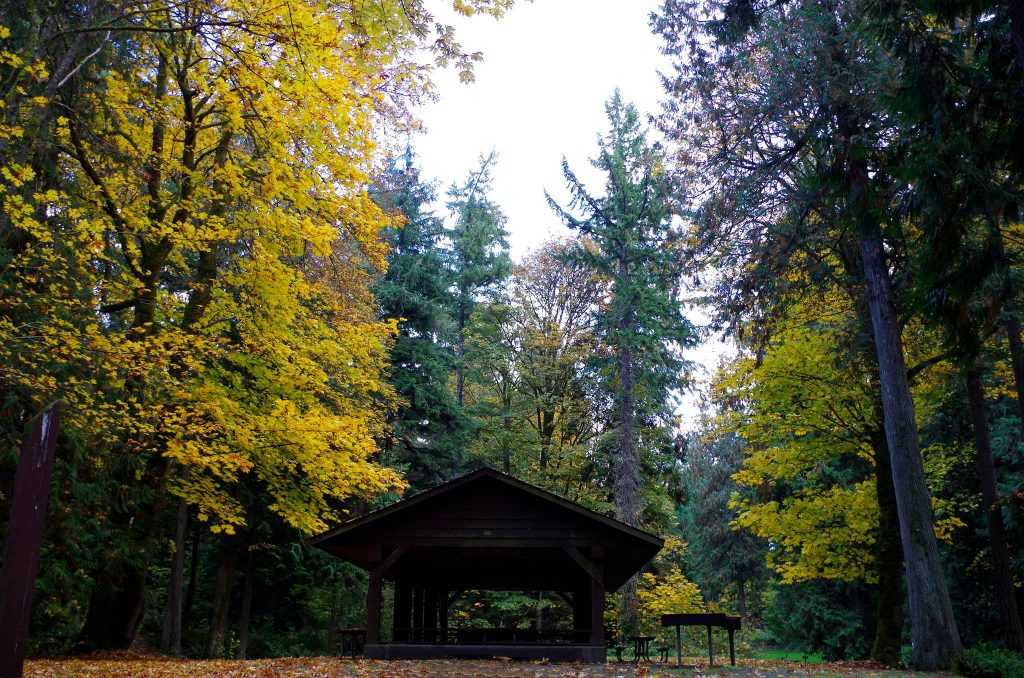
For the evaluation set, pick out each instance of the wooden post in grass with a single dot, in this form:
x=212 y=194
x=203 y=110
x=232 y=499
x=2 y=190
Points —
x=25 y=538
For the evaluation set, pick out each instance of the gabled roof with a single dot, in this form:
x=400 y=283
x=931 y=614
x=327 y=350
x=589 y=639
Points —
x=487 y=529
x=473 y=476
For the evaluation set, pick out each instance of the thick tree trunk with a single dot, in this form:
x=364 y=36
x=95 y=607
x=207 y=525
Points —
x=546 y=430
x=889 y=609
x=222 y=600
x=246 y=615
x=936 y=640
x=506 y=422
x=460 y=348
x=1002 y=579
x=193 y=574
x=115 y=610
x=627 y=479
x=24 y=539
x=627 y=473
x=170 y=637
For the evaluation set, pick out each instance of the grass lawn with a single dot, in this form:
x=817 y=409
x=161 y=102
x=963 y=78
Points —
x=330 y=667
x=790 y=656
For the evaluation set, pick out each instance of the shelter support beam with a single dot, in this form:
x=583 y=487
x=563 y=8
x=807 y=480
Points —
x=442 y=609
x=373 y=598
x=430 y=614
x=597 y=606
x=417 y=614
x=403 y=612
x=593 y=566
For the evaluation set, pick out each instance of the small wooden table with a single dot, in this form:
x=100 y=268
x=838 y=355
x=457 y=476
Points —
x=641 y=647
x=730 y=624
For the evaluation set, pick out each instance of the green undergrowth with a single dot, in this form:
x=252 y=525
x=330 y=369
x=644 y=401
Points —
x=989 y=661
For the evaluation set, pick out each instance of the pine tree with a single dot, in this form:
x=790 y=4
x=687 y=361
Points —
x=631 y=241
x=426 y=437
x=779 y=112
x=480 y=259
x=722 y=557
x=961 y=128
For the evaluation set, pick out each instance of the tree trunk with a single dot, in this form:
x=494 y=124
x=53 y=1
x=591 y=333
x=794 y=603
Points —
x=889 y=608
x=170 y=637
x=246 y=614
x=23 y=542
x=741 y=597
x=627 y=479
x=115 y=610
x=222 y=599
x=627 y=476
x=460 y=349
x=1002 y=579
x=193 y=574
x=547 y=433
x=1010 y=322
x=506 y=423
x=936 y=640
x=1017 y=360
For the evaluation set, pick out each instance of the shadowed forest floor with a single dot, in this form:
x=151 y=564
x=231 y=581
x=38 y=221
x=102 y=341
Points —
x=329 y=667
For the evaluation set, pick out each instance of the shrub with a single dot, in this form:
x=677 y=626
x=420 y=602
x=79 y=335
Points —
x=826 y=617
x=666 y=590
x=988 y=661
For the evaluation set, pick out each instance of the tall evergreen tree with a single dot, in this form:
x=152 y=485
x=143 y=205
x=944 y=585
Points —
x=961 y=130
x=480 y=260
x=479 y=253
x=779 y=109
x=722 y=557
x=631 y=241
x=428 y=432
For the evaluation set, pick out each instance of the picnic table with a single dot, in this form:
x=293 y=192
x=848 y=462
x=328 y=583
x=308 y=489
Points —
x=708 y=619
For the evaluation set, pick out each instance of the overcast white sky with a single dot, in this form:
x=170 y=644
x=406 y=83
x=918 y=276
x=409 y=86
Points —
x=539 y=94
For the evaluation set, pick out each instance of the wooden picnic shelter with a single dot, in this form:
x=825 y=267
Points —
x=487 y=530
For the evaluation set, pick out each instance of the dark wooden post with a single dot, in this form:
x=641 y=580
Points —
x=597 y=604
x=732 y=647
x=417 y=614
x=711 y=649
x=379 y=566
x=580 y=616
x=25 y=538
x=373 y=598
x=679 y=644
x=594 y=567
x=442 y=610
x=403 y=608
x=430 y=614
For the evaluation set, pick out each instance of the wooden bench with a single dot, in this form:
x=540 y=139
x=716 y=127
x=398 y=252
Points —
x=708 y=619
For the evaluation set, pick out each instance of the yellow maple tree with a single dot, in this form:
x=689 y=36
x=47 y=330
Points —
x=196 y=290
x=808 y=419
